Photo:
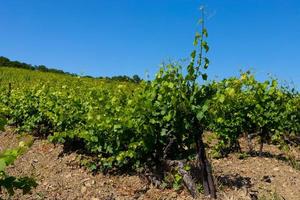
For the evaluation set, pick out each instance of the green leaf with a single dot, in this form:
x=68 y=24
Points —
x=222 y=98
x=204 y=76
x=200 y=115
x=193 y=54
x=205 y=46
x=2 y=164
x=197 y=37
x=204 y=32
x=3 y=122
x=204 y=107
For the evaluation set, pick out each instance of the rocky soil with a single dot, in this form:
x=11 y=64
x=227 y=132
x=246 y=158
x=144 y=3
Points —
x=60 y=176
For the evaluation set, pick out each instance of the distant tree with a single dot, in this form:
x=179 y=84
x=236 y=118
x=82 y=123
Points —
x=87 y=76
x=42 y=68
x=4 y=61
x=136 y=78
x=58 y=71
x=121 y=78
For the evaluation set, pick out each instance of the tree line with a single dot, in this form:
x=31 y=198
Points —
x=6 y=62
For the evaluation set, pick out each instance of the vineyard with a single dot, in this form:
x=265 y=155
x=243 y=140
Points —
x=167 y=129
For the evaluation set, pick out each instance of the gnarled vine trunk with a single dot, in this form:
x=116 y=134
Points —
x=205 y=168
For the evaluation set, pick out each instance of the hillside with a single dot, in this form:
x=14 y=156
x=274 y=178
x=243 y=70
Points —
x=7 y=63
x=90 y=138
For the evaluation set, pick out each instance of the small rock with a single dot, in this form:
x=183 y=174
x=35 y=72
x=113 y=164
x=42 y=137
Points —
x=276 y=169
x=73 y=158
x=68 y=175
x=94 y=198
x=266 y=179
x=85 y=180
x=87 y=184
x=102 y=184
x=174 y=195
x=35 y=160
x=83 y=189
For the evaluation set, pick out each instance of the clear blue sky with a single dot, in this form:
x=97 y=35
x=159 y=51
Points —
x=126 y=37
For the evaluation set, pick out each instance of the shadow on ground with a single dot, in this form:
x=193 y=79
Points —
x=234 y=181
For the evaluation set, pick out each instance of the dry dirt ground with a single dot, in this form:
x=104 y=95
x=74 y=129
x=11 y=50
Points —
x=60 y=177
